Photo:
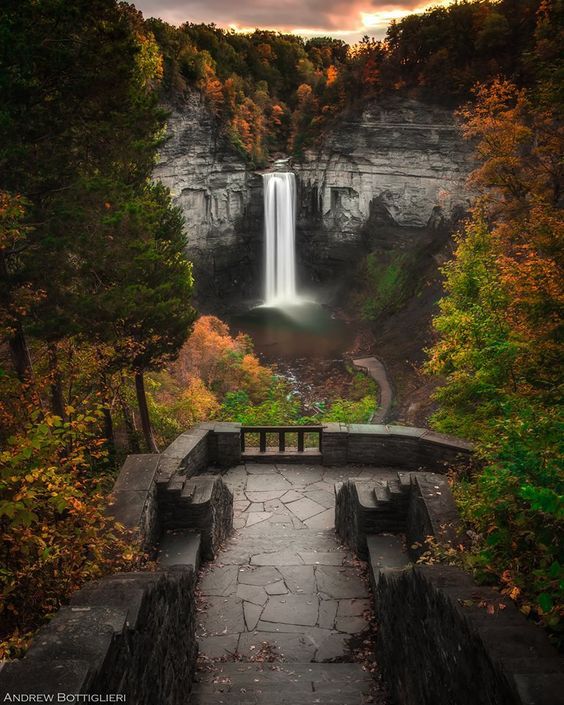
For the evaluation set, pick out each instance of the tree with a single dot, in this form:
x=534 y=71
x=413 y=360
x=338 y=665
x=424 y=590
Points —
x=64 y=118
x=15 y=296
x=500 y=349
x=138 y=287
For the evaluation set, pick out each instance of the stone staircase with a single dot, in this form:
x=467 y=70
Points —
x=202 y=504
x=242 y=683
x=367 y=507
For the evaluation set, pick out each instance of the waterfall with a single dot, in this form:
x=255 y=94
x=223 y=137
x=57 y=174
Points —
x=280 y=230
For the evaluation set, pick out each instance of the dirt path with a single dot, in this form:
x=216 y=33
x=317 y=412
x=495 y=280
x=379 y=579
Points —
x=377 y=371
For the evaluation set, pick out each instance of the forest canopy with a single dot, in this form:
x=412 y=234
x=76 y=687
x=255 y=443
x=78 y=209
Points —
x=277 y=92
x=102 y=352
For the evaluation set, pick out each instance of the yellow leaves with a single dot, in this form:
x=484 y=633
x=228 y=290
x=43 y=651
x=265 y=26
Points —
x=514 y=593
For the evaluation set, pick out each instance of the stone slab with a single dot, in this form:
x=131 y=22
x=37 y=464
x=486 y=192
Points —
x=292 y=609
x=305 y=508
x=221 y=581
x=180 y=548
x=339 y=583
x=267 y=483
x=325 y=520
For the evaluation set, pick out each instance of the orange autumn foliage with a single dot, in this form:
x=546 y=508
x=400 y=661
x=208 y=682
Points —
x=224 y=363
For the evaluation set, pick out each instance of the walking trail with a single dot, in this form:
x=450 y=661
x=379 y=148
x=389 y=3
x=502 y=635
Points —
x=285 y=611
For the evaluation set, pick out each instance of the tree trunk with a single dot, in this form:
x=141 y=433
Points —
x=19 y=352
x=17 y=343
x=109 y=432
x=57 y=400
x=129 y=421
x=144 y=413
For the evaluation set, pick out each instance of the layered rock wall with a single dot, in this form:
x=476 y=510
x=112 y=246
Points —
x=402 y=158
x=386 y=176
x=220 y=198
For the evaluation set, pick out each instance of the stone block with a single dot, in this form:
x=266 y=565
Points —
x=46 y=676
x=137 y=473
x=453 y=654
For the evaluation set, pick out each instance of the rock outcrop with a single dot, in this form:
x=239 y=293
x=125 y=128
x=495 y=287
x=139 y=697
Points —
x=393 y=177
x=392 y=173
x=220 y=197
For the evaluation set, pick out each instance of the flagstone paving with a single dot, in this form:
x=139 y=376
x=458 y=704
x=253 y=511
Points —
x=283 y=578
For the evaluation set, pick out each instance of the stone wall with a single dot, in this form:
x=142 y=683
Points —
x=151 y=492
x=130 y=634
x=431 y=513
x=133 y=633
x=443 y=640
x=203 y=504
x=396 y=446
x=133 y=501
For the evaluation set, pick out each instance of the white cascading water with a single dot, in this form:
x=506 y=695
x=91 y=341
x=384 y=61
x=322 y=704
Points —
x=280 y=235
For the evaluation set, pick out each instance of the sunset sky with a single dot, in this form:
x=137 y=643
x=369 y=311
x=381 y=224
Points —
x=346 y=19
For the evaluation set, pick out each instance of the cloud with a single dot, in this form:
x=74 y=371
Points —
x=348 y=19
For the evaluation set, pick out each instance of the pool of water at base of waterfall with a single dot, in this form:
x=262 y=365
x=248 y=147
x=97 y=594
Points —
x=305 y=343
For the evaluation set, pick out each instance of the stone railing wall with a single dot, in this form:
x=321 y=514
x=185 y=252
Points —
x=442 y=639
x=131 y=634
x=396 y=446
x=151 y=492
x=203 y=504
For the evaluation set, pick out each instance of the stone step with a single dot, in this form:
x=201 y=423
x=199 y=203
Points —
x=382 y=492
x=385 y=551
x=176 y=484
x=272 y=456
x=283 y=684
x=404 y=479
x=180 y=547
x=397 y=491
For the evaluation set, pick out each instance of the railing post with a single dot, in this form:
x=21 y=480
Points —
x=242 y=440
x=319 y=434
x=282 y=441
x=300 y=441
x=262 y=435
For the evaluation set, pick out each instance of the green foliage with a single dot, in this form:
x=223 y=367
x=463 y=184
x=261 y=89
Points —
x=476 y=349
x=278 y=408
x=388 y=284
x=517 y=506
x=349 y=411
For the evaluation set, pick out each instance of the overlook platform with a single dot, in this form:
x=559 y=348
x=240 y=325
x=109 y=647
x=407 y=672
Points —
x=284 y=583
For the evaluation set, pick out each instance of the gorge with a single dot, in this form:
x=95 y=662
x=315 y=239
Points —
x=385 y=177
x=281 y=356
x=390 y=180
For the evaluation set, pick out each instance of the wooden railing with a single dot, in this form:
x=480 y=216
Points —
x=281 y=432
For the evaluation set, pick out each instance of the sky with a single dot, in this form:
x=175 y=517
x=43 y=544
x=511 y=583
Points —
x=348 y=20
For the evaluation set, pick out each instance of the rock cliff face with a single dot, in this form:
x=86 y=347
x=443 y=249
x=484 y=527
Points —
x=221 y=200
x=389 y=176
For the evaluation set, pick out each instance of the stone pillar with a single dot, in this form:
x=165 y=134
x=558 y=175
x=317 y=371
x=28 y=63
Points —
x=227 y=444
x=334 y=444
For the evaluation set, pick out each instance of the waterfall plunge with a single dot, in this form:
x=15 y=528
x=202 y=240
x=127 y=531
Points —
x=280 y=229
